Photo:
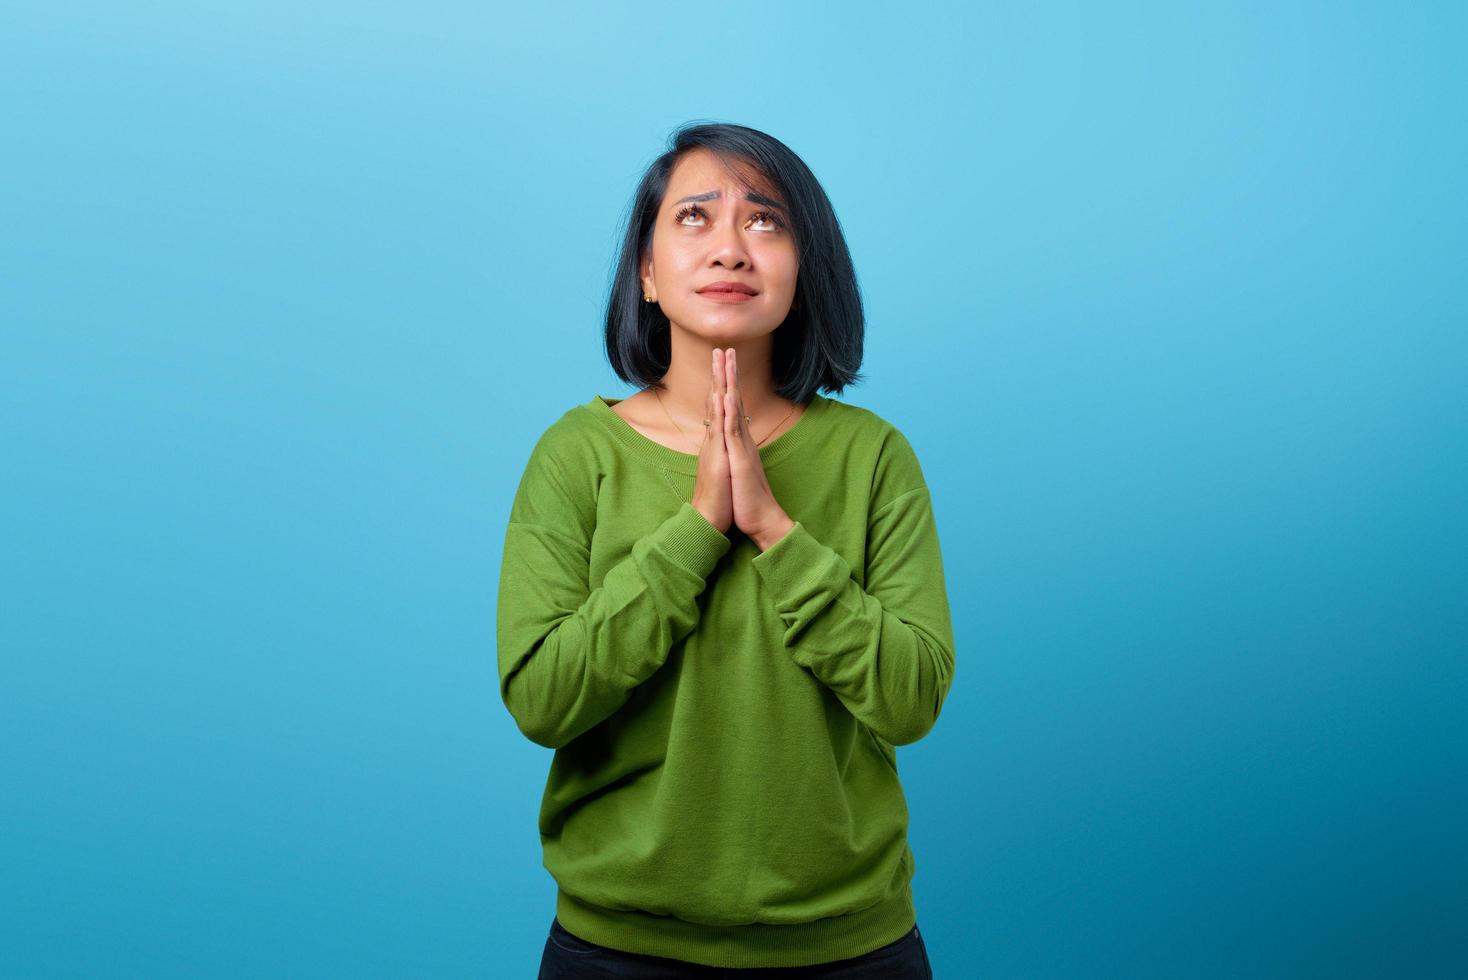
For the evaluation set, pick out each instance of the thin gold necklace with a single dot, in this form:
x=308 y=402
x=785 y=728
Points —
x=708 y=423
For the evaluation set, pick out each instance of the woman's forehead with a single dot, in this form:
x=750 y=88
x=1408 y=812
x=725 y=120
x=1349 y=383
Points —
x=701 y=171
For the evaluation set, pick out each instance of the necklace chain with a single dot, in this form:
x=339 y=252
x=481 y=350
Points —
x=707 y=423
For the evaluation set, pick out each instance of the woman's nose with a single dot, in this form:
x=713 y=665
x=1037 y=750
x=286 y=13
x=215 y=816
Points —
x=730 y=249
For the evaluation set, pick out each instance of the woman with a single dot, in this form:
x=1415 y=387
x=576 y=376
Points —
x=722 y=601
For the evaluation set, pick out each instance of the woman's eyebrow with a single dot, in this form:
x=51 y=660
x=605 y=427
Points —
x=768 y=202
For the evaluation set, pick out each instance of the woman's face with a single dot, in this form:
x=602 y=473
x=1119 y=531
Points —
x=721 y=235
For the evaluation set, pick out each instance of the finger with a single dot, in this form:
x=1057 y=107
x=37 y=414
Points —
x=716 y=427
x=716 y=397
x=731 y=426
x=731 y=378
x=711 y=400
x=708 y=413
x=738 y=395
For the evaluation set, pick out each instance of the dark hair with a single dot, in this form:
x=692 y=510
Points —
x=819 y=345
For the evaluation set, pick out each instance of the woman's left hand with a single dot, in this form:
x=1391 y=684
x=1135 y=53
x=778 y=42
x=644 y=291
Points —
x=756 y=511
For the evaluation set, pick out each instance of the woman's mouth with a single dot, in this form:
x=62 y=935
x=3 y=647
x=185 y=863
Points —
x=726 y=295
x=728 y=291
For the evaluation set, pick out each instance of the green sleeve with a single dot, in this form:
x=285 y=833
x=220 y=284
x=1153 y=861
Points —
x=887 y=650
x=570 y=655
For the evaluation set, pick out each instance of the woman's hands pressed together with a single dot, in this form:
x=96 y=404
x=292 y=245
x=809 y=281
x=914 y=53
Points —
x=713 y=496
x=735 y=489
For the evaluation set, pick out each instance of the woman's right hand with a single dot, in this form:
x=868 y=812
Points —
x=713 y=492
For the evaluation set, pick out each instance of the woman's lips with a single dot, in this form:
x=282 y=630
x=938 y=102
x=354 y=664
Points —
x=726 y=295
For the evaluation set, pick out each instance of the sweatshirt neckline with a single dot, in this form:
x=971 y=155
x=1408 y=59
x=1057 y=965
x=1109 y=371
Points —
x=687 y=463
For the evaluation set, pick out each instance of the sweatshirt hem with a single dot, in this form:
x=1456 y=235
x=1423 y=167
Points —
x=741 y=946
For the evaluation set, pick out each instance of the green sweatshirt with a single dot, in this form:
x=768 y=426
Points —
x=724 y=787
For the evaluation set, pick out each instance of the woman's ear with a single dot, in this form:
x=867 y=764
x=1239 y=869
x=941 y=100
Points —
x=649 y=292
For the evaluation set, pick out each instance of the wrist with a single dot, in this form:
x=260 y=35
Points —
x=766 y=537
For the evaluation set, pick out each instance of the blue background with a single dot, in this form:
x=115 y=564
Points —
x=1170 y=300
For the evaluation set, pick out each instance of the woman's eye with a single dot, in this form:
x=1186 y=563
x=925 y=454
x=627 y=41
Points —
x=692 y=209
x=685 y=211
x=767 y=216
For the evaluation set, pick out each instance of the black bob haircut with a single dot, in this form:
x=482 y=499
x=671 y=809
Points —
x=819 y=344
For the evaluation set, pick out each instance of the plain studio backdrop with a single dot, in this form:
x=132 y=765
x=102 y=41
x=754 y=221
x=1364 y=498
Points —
x=1170 y=300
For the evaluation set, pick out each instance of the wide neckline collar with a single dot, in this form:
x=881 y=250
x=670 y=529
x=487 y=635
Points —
x=770 y=453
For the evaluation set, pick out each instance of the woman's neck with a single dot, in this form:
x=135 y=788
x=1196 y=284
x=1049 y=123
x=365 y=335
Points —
x=689 y=378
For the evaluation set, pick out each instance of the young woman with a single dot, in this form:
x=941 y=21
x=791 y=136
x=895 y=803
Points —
x=722 y=601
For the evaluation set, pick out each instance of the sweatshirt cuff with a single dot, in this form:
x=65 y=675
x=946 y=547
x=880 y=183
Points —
x=798 y=565
x=690 y=540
